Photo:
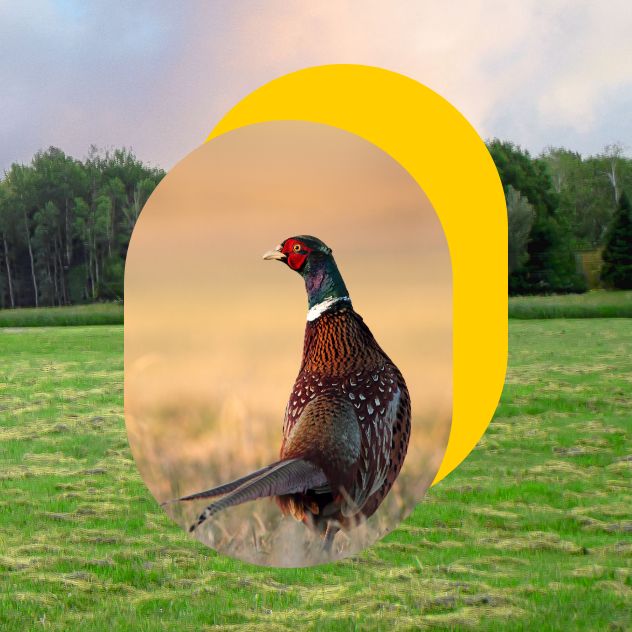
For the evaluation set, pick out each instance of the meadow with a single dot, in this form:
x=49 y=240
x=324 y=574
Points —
x=593 y=304
x=531 y=532
x=92 y=314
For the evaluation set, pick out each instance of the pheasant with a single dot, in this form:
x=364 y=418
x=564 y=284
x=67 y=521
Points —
x=347 y=422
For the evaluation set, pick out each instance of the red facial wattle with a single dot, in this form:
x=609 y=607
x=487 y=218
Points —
x=296 y=253
x=296 y=260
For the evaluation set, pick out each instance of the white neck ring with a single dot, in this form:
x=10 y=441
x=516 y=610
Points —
x=318 y=309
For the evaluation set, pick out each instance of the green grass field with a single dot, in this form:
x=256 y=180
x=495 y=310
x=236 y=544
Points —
x=533 y=531
x=593 y=304
x=94 y=314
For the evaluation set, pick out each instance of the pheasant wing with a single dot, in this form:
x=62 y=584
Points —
x=376 y=396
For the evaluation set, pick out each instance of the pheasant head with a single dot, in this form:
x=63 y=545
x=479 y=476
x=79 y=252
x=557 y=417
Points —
x=314 y=261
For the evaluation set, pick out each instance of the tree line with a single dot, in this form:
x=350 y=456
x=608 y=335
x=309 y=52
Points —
x=560 y=203
x=65 y=224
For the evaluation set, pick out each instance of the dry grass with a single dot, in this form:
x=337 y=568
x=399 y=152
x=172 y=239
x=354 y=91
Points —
x=206 y=391
x=183 y=449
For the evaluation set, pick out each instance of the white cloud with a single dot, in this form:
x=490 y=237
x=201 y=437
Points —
x=158 y=75
x=549 y=66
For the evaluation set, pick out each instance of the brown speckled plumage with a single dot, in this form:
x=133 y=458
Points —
x=343 y=362
x=347 y=421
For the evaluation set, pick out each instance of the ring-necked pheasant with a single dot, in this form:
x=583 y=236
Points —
x=347 y=422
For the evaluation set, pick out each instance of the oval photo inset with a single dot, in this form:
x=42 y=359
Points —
x=313 y=387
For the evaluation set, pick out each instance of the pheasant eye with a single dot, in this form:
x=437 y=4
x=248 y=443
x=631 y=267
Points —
x=296 y=248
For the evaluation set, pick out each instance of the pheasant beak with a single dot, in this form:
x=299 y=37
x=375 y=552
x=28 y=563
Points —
x=275 y=254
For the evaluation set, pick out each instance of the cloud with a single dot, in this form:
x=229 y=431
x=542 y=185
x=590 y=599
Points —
x=72 y=77
x=594 y=60
x=157 y=75
x=533 y=72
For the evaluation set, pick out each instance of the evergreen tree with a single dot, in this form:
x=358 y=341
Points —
x=617 y=255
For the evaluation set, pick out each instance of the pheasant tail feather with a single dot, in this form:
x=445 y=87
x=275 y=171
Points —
x=221 y=489
x=284 y=477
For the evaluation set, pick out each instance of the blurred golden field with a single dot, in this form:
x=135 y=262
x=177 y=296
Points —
x=213 y=334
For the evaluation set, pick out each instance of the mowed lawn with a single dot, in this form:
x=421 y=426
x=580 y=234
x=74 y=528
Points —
x=533 y=531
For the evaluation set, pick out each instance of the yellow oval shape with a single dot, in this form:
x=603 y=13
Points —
x=450 y=162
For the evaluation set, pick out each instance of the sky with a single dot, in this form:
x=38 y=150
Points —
x=156 y=76
x=243 y=194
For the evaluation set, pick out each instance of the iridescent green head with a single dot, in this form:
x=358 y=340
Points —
x=314 y=261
